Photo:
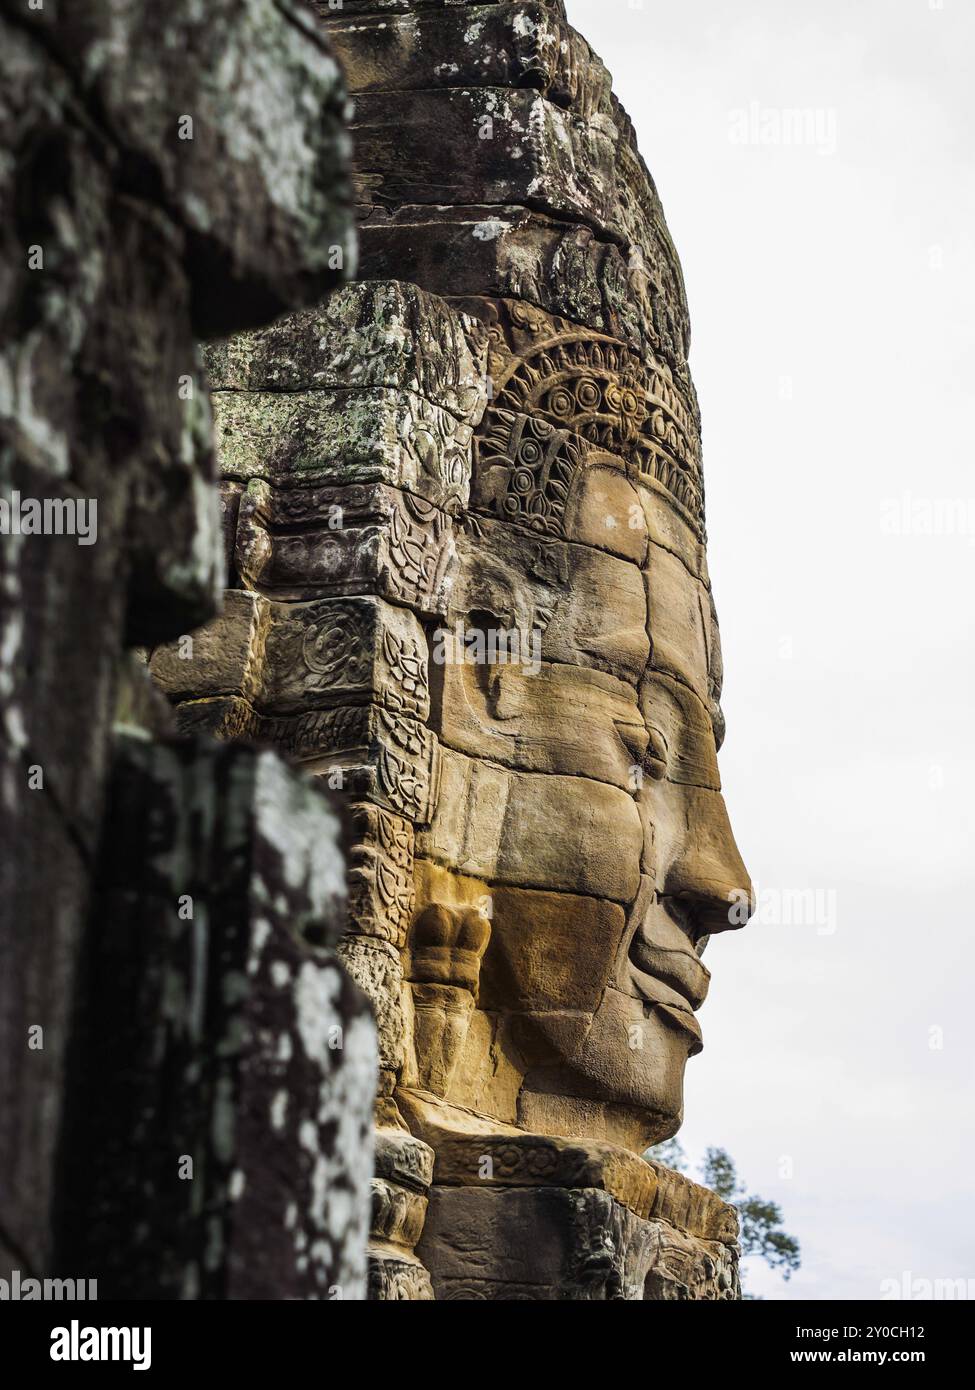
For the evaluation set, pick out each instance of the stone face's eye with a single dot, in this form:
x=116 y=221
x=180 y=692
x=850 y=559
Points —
x=718 y=725
x=658 y=754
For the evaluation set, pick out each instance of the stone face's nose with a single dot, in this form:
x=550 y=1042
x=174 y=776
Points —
x=707 y=883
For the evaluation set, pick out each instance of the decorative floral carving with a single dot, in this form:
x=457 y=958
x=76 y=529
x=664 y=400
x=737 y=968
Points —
x=560 y=391
x=337 y=652
x=408 y=684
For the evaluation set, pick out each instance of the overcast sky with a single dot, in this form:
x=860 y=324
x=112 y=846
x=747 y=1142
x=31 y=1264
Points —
x=832 y=289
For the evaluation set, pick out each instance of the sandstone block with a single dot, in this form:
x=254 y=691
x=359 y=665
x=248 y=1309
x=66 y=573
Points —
x=560 y=718
x=293 y=657
x=372 y=335
x=237 y=1137
x=509 y=251
x=303 y=542
x=365 y=751
x=535 y=831
x=267 y=104
x=225 y=657
x=549 y=951
x=375 y=435
x=485 y=144
x=508 y=45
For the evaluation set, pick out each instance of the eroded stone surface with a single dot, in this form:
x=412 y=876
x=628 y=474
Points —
x=169 y=172
x=237 y=1150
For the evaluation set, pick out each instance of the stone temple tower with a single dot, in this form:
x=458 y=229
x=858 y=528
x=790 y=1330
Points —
x=464 y=515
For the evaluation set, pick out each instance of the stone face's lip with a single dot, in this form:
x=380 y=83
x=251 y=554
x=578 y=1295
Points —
x=677 y=1009
x=688 y=1023
x=681 y=970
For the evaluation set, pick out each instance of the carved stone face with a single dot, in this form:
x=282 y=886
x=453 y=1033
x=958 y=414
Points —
x=574 y=696
x=464 y=507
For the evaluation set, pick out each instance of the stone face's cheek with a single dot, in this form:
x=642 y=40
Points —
x=625 y=1073
x=566 y=834
x=549 y=951
x=564 y=719
x=542 y=978
x=572 y=835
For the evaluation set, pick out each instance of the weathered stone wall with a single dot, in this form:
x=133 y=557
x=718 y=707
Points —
x=169 y=1000
x=496 y=434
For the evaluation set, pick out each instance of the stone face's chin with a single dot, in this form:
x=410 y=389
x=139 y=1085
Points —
x=627 y=1082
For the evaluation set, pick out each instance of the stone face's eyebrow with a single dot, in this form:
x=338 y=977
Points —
x=715 y=669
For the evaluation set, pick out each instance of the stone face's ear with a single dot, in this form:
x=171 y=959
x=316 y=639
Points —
x=473 y=934
x=447 y=946
x=715 y=674
x=446 y=949
x=430 y=946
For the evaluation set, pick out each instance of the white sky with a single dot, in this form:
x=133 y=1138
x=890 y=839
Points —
x=844 y=265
